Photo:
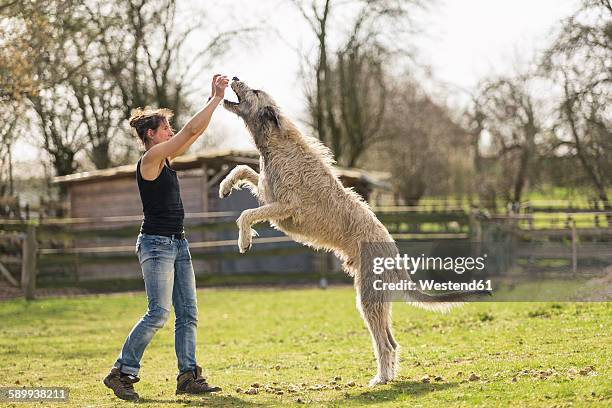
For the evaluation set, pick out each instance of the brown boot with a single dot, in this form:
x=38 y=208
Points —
x=192 y=382
x=122 y=384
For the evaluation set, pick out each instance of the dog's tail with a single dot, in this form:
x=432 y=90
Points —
x=443 y=302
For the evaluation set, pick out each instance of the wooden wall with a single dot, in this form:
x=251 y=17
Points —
x=117 y=197
x=120 y=197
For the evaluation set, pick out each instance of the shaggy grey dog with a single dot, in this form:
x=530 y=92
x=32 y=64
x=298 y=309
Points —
x=301 y=196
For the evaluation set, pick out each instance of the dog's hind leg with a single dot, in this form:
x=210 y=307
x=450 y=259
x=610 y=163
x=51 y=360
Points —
x=242 y=174
x=396 y=350
x=377 y=318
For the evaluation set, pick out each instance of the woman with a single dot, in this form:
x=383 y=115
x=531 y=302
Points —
x=163 y=251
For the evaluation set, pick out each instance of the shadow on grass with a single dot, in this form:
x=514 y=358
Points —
x=397 y=388
x=203 y=401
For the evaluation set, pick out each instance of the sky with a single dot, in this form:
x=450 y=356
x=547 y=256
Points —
x=472 y=38
x=462 y=42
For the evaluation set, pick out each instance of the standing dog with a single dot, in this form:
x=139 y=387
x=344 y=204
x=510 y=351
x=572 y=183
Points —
x=301 y=196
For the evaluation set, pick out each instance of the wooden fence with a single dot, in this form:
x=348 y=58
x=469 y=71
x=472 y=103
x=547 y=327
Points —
x=56 y=251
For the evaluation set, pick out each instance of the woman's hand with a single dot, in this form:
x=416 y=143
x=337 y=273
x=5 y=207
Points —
x=219 y=83
x=212 y=85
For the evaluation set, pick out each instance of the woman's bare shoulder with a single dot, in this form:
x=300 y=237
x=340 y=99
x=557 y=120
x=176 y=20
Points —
x=150 y=168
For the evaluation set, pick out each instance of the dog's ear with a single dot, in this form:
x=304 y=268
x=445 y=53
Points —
x=271 y=114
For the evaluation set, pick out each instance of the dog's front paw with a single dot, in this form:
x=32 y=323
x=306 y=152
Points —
x=225 y=189
x=244 y=241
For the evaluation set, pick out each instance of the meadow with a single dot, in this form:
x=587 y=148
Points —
x=306 y=346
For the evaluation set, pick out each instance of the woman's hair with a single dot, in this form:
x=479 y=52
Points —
x=145 y=119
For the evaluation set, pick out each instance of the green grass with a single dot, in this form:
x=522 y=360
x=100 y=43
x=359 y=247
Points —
x=525 y=354
x=576 y=194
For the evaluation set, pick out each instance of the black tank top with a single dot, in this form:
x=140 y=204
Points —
x=161 y=202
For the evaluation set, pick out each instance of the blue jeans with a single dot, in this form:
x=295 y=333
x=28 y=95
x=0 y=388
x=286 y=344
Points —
x=169 y=279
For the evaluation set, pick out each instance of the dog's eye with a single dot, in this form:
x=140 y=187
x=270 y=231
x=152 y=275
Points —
x=256 y=92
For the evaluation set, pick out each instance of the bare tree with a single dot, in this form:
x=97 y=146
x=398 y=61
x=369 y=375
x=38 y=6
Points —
x=96 y=97
x=579 y=61
x=340 y=101
x=98 y=61
x=514 y=125
x=41 y=37
x=58 y=119
x=425 y=150
x=361 y=88
x=142 y=51
x=484 y=178
x=10 y=121
x=320 y=100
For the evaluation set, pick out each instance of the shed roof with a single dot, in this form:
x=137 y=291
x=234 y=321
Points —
x=216 y=159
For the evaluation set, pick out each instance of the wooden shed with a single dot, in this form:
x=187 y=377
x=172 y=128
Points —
x=109 y=200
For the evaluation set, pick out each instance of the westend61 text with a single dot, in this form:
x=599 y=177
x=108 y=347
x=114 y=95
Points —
x=429 y=285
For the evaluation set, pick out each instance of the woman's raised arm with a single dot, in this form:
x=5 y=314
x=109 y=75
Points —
x=192 y=129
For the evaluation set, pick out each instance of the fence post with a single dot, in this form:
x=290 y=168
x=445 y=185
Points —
x=475 y=232
x=574 y=248
x=28 y=264
x=323 y=267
